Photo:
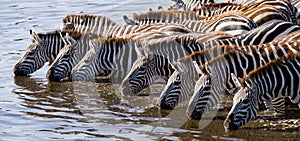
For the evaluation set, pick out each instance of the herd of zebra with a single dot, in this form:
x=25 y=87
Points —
x=203 y=49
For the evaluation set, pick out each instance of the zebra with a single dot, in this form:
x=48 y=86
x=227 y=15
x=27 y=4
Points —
x=263 y=84
x=240 y=62
x=157 y=53
x=44 y=48
x=140 y=74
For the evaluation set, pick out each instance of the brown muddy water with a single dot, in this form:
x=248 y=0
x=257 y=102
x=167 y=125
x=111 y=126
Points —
x=31 y=108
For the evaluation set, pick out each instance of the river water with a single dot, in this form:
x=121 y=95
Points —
x=31 y=108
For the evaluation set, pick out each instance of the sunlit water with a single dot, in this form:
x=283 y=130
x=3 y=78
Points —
x=31 y=108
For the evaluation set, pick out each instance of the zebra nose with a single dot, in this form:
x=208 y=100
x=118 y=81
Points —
x=53 y=75
x=194 y=114
x=125 y=89
x=229 y=123
x=20 y=72
x=163 y=103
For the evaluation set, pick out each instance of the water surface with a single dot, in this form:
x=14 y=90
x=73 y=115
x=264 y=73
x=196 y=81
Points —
x=31 y=108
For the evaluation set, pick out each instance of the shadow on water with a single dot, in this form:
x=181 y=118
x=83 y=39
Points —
x=49 y=97
x=97 y=105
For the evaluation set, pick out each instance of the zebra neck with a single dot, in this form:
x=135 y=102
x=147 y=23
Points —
x=53 y=48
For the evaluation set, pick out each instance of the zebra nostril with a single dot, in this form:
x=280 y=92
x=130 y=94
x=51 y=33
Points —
x=51 y=76
x=229 y=123
x=166 y=105
x=20 y=72
x=226 y=123
x=125 y=89
x=196 y=114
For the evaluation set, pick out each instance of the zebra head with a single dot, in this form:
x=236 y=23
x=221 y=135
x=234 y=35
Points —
x=145 y=70
x=35 y=56
x=245 y=106
x=199 y=102
x=68 y=56
x=170 y=95
x=179 y=86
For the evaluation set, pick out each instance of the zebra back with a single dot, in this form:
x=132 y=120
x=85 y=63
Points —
x=229 y=22
x=87 y=23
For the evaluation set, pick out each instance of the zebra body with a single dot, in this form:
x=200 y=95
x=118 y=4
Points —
x=238 y=63
x=44 y=48
x=262 y=34
x=275 y=79
x=230 y=22
x=260 y=12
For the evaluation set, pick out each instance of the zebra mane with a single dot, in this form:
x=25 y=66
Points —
x=74 y=34
x=109 y=40
x=55 y=33
x=165 y=14
x=201 y=53
x=268 y=65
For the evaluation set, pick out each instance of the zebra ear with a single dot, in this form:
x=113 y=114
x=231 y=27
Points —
x=160 y=8
x=139 y=51
x=63 y=39
x=207 y=68
x=236 y=80
x=198 y=69
x=34 y=36
x=92 y=45
x=70 y=39
x=128 y=21
x=173 y=65
x=248 y=81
